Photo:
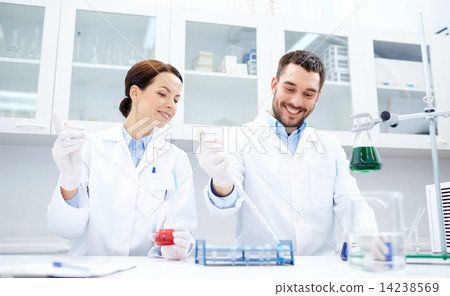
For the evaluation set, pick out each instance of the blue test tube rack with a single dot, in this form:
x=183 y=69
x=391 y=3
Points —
x=244 y=256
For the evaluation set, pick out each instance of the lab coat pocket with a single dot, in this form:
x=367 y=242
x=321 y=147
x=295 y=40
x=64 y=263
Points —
x=323 y=174
x=163 y=181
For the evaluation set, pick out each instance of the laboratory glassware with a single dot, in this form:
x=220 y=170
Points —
x=365 y=157
x=78 y=56
x=2 y=41
x=13 y=49
x=267 y=255
x=164 y=237
x=34 y=51
x=381 y=249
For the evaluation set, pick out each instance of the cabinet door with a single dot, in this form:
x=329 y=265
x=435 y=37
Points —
x=400 y=85
x=220 y=58
x=28 y=34
x=98 y=45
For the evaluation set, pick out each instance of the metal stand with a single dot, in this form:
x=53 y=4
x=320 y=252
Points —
x=430 y=114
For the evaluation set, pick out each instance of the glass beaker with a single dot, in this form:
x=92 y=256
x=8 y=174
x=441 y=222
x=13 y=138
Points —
x=376 y=233
x=365 y=157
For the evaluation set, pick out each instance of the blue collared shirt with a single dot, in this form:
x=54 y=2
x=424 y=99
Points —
x=291 y=141
x=137 y=149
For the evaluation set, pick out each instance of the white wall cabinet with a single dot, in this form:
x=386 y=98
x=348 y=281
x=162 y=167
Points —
x=218 y=93
x=87 y=48
x=98 y=43
x=28 y=44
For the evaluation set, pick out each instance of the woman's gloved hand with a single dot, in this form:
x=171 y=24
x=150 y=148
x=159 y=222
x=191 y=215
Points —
x=183 y=242
x=66 y=153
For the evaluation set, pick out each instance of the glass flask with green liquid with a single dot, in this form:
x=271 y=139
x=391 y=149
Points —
x=365 y=157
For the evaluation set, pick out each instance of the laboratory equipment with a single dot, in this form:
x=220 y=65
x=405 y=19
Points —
x=94 y=59
x=365 y=156
x=381 y=250
x=413 y=232
x=208 y=255
x=2 y=41
x=78 y=56
x=34 y=51
x=431 y=114
x=433 y=217
x=13 y=49
x=164 y=237
x=257 y=213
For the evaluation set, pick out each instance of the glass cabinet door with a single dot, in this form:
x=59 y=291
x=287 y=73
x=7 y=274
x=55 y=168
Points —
x=220 y=74
x=333 y=110
x=400 y=84
x=20 y=52
x=106 y=45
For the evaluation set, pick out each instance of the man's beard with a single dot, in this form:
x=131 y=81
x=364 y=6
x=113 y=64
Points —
x=280 y=119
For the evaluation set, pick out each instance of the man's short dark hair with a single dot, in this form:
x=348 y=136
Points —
x=305 y=59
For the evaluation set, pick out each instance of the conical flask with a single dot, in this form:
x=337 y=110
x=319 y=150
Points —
x=365 y=157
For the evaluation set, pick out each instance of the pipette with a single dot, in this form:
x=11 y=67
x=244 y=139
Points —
x=257 y=213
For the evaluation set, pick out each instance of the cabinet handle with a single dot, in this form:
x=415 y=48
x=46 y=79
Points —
x=439 y=141
x=20 y=125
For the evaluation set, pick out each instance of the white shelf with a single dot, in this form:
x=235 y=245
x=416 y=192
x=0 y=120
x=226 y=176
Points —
x=223 y=82
x=94 y=74
x=101 y=66
x=400 y=88
x=33 y=245
x=19 y=74
x=18 y=60
x=219 y=75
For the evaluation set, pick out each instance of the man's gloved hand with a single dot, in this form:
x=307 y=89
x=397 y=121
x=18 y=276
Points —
x=215 y=161
x=66 y=153
x=182 y=239
x=381 y=249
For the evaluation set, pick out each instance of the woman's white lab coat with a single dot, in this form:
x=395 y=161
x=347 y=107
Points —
x=300 y=196
x=119 y=207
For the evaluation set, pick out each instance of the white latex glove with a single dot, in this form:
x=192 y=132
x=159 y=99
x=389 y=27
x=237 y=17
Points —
x=182 y=239
x=67 y=155
x=380 y=250
x=215 y=162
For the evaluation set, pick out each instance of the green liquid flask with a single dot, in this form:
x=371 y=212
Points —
x=365 y=157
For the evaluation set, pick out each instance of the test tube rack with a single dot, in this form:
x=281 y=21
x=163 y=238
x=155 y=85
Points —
x=244 y=256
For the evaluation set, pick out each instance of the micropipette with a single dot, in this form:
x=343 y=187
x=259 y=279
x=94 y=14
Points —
x=258 y=214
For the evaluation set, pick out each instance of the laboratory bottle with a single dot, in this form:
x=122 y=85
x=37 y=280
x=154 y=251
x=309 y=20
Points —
x=365 y=157
x=95 y=52
x=33 y=53
x=2 y=41
x=78 y=48
x=14 y=45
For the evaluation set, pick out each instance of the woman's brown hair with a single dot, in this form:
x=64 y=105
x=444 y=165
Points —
x=141 y=75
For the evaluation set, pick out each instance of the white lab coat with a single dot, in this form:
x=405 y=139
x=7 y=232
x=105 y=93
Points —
x=299 y=196
x=118 y=209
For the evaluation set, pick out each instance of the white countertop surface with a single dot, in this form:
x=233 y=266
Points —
x=305 y=267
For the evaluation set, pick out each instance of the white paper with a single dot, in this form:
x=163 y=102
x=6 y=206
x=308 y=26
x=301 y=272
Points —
x=76 y=270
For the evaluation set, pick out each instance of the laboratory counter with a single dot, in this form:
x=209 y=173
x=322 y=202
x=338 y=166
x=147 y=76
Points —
x=304 y=267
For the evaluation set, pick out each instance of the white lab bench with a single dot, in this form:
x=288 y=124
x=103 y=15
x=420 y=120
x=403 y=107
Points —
x=304 y=267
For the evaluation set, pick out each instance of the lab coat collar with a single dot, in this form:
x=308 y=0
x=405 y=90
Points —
x=155 y=148
x=309 y=139
x=261 y=122
x=114 y=134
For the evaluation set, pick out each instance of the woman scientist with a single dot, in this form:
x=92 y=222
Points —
x=116 y=185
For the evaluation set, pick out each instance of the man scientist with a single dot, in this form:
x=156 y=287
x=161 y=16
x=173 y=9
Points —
x=297 y=177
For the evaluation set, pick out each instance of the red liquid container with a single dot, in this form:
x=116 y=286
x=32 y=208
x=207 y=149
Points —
x=164 y=237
